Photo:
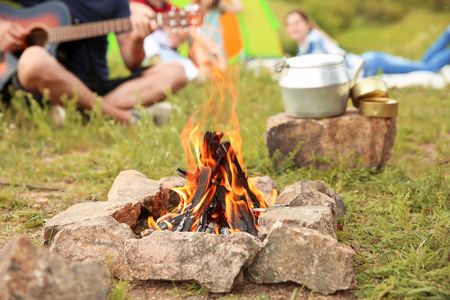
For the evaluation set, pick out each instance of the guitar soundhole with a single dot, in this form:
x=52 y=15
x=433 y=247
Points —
x=37 y=37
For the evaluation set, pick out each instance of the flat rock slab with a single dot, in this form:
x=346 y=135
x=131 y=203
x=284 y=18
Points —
x=130 y=194
x=33 y=273
x=90 y=211
x=315 y=193
x=102 y=239
x=319 y=218
x=134 y=187
x=306 y=257
x=361 y=140
x=214 y=261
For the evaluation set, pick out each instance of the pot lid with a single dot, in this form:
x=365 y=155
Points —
x=314 y=60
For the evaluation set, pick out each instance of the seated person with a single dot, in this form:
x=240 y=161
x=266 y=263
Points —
x=82 y=70
x=310 y=40
x=207 y=47
x=164 y=42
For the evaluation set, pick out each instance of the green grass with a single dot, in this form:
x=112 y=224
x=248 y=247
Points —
x=397 y=220
x=410 y=37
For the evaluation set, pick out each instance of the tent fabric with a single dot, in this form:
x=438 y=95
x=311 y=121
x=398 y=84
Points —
x=232 y=35
x=259 y=28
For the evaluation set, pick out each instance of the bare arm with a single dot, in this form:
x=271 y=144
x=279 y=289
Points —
x=234 y=6
x=132 y=43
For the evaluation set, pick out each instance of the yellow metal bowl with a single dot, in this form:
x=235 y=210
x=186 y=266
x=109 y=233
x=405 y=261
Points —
x=371 y=87
x=387 y=109
x=375 y=99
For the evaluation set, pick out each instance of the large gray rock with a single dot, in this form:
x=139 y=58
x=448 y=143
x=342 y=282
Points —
x=306 y=257
x=350 y=135
x=131 y=193
x=320 y=218
x=213 y=261
x=315 y=193
x=133 y=187
x=102 y=239
x=33 y=273
x=128 y=213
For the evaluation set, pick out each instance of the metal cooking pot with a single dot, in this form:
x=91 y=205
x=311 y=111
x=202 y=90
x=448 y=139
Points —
x=315 y=85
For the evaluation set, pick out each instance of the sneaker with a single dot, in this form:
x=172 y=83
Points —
x=161 y=112
x=57 y=114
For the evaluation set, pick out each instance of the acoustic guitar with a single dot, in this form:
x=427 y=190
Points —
x=50 y=23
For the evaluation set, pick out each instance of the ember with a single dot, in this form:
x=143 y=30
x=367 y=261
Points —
x=218 y=197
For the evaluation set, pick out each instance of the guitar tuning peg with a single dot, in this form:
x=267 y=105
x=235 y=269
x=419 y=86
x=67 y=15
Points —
x=174 y=30
x=195 y=7
x=185 y=29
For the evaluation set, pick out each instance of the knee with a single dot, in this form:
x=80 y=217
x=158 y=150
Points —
x=33 y=65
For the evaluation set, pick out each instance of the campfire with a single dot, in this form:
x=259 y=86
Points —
x=218 y=197
x=221 y=226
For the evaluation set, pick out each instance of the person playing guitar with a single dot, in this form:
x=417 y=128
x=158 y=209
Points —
x=80 y=67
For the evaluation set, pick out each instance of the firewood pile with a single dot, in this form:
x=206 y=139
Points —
x=218 y=197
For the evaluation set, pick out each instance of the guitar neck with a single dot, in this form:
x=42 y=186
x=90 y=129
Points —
x=88 y=30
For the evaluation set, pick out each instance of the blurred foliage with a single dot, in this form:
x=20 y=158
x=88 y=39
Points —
x=382 y=11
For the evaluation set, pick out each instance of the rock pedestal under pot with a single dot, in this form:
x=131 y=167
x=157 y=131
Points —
x=351 y=136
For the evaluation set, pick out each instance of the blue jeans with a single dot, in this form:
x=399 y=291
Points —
x=436 y=57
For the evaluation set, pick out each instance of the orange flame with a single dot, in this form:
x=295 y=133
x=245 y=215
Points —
x=152 y=223
x=239 y=196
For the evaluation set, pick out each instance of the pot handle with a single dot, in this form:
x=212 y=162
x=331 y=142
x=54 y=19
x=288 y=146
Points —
x=281 y=64
x=355 y=73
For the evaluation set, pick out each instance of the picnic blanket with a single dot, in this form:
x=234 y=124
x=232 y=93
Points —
x=419 y=78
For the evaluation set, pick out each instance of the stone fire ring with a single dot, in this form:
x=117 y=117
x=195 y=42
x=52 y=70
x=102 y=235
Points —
x=297 y=243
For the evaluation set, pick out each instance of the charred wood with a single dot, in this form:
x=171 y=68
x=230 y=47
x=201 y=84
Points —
x=204 y=182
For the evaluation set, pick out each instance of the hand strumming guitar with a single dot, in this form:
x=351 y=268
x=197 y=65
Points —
x=12 y=36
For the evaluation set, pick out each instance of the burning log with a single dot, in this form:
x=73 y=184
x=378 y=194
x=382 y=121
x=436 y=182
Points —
x=217 y=197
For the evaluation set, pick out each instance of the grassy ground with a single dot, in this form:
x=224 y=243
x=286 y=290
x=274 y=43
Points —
x=397 y=220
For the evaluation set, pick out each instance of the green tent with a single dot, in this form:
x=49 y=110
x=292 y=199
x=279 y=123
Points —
x=260 y=30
